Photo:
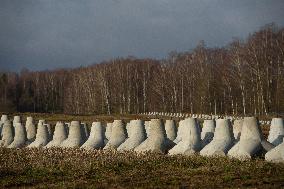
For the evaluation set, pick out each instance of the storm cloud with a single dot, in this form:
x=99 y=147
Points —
x=49 y=34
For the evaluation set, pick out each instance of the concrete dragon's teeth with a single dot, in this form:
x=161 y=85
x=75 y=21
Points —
x=237 y=129
x=108 y=132
x=276 y=132
x=250 y=142
x=157 y=141
x=190 y=138
x=60 y=134
x=42 y=136
x=30 y=129
x=86 y=133
x=171 y=129
x=7 y=134
x=75 y=136
x=276 y=154
x=3 y=119
x=20 y=137
x=222 y=141
x=118 y=135
x=207 y=133
x=137 y=135
x=17 y=119
x=96 y=138
x=147 y=128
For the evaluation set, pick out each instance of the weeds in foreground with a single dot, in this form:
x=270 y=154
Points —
x=59 y=168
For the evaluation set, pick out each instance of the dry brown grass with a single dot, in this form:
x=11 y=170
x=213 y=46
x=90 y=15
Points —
x=58 y=168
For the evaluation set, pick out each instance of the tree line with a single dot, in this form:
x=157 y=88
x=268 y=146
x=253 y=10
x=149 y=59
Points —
x=243 y=77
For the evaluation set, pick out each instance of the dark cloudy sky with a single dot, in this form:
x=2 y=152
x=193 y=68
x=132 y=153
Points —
x=49 y=34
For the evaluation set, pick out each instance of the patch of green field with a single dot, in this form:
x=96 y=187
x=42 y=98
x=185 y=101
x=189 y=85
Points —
x=65 y=168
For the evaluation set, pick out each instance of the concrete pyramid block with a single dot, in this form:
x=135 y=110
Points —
x=118 y=135
x=20 y=137
x=60 y=134
x=190 y=139
x=17 y=119
x=42 y=136
x=237 y=129
x=41 y=121
x=49 y=130
x=7 y=135
x=171 y=129
x=157 y=141
x=136 y=135
x=128 y=129
x=108 y=132
x=276 y=132
x=207 y=133
x=67 y=126
x=276 y=154
x=250 y=142
x=147 y=128
x=222 y=141
x=179 y=132
x=96 y=138
x=75 y=136
x=2 y=120
x=86 y=131
x=30 y=129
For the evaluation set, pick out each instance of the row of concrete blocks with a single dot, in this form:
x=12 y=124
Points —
x=243 y=140
x=186 y=115
x=181 y=115
x=200 y=116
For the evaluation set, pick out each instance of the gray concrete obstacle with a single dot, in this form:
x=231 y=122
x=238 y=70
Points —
x=41 y=121
x=237 y=129
x=157 y=141
x=42 y=136
x=276 y=154
x=179 y=132
x=75 y=136
x=136 y=135
x=222 y=141
x=276 y=132
x=96 y=138
x=30 y=129
x=67 y=126
x=207 y=133
x=17 y=119
x=147 y=128
x=2 y=121
x=118 y=135
x=7 y=135
x=20 y=137
x=250 y=142
x=60 y=134
x=128 y=129
x=190 y=142
x=108 y=132
x=171 y=129
x=49 y=130
x=86 y=131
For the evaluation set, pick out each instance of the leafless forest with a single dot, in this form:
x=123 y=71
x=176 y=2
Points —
x=244 y=77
